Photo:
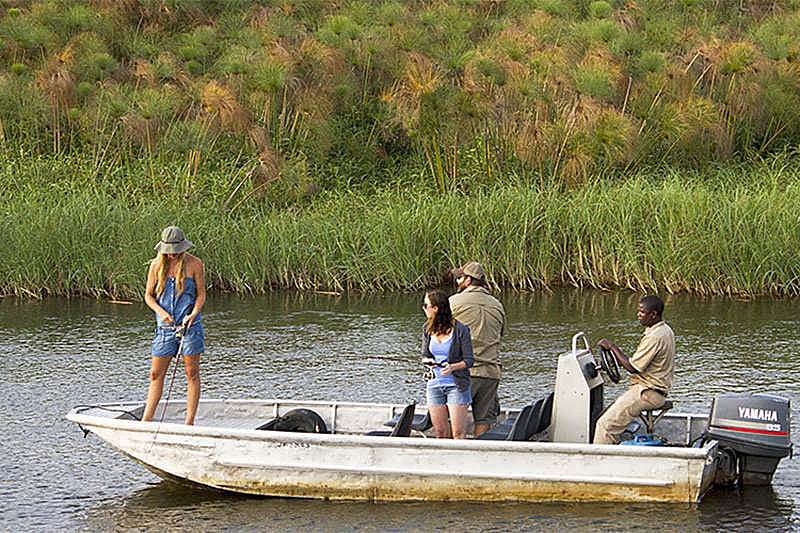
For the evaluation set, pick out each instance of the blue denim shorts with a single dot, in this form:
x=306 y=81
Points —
x=166 y=343
x=448 y=395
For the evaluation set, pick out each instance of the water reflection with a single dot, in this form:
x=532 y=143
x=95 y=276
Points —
x=168 y=505
x=55 y=354
x=751 y=508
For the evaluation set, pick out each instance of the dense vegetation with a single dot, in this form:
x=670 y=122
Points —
x=370 y=144
x=467 y=88
x=733 y=231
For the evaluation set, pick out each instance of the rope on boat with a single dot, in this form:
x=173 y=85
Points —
x=82 y=408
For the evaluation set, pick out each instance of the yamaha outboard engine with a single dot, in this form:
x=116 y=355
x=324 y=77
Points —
x=753 y=435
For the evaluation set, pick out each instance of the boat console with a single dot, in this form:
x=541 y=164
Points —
x=578 y=396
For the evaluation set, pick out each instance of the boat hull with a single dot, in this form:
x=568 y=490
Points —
x=357 y=467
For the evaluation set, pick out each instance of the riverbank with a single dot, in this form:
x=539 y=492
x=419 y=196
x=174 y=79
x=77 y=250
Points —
x=728 y=231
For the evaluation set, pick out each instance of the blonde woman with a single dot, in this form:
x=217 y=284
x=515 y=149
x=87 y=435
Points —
x=176 y=292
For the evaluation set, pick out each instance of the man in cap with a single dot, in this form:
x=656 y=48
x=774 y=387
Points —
x=474 y=306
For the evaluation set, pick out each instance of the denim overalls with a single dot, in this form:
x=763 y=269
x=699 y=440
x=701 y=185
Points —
x=166 y=342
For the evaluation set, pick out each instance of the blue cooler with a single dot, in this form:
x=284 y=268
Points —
x=644 y=440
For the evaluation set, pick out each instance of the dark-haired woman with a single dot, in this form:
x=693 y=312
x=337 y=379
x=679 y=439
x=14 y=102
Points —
x=447 y=341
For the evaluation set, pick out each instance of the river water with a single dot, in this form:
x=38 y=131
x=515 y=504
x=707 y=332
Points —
x=56 y=354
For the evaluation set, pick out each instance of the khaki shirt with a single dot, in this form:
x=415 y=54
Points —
x=655 y=358
x=486 y=319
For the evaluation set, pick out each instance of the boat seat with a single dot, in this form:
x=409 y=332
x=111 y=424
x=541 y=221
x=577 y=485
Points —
x=403 y=426
x=418 y=422
x=500 y=431
x=520 y=426
x=651 y=416
x=533 y=419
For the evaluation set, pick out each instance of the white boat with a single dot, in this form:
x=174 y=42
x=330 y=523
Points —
x=337 y=459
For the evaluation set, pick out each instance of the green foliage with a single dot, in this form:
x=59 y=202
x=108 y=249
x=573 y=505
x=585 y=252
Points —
x=558 y=88
x=23 y=110
x=284 y=27
x=611 y=139
x=83 y=90
x=19 y=69
x=629 y=43
x=184 y=136
x=97 y=66
x=593 y=81
x=268 y=77
x=134 y=43
x=557 y=8
x=782 y=103
x=600 y=9
x=153 y=103
x=597 y=31
x=233 y=29
x=778 y=37
x=195 y=68
x=67 y=20
x=651 y=61
x=165 y=67
x=338 y=31
x=235 y=60
x=197 y=45
x=737 y=58
x=662 y=31
x=391 y=13
x=115 y=102
x=26 y=32
x=92 y=60
x=491 y=70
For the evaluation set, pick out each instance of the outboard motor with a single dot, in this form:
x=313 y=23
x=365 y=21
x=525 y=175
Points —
x=753 y=435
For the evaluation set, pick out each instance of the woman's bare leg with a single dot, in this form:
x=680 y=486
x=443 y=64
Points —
x=158 y=369
x=192 y=365
x=439 y=420
x=458 y=420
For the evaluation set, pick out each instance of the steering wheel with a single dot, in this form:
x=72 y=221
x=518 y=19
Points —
x=609 y=364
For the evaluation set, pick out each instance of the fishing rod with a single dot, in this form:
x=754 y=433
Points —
x=180 y=332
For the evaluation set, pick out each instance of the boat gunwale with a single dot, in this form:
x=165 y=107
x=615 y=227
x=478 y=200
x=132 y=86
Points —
x=169 y=428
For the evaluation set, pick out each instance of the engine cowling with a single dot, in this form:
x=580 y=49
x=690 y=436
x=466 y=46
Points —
x=756 y=428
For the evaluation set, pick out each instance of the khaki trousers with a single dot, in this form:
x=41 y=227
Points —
x=625 y=410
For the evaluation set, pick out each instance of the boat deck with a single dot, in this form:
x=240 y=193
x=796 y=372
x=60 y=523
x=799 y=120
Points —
x=353 y=418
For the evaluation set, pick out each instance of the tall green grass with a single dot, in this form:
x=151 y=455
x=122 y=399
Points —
x=730 y=231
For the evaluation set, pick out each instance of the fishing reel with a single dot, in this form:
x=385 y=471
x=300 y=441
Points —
x=180 y=330
x=430 y=363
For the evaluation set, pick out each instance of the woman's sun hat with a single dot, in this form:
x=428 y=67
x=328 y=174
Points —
x=173 y=241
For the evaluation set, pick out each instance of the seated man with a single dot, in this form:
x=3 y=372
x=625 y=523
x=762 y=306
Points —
x=651 y=369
